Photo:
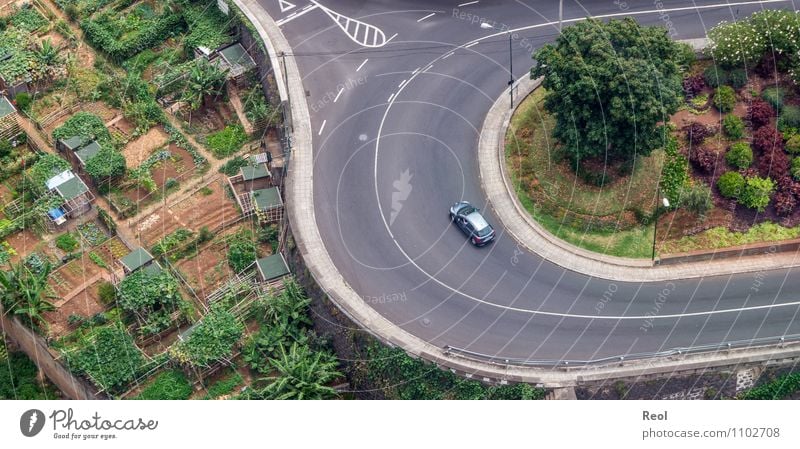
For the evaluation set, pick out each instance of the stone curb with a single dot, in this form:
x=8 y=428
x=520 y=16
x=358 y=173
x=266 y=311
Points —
x=528 y=232
x=300 y=209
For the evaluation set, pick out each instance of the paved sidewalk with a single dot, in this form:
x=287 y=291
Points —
x=516 y=220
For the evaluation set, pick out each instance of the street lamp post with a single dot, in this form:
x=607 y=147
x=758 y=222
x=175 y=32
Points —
x=486 y=26
x=665 y=202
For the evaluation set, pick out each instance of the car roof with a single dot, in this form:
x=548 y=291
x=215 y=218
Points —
x=477 y=220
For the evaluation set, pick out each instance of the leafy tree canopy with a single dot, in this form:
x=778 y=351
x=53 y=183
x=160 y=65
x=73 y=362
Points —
x=609 y=85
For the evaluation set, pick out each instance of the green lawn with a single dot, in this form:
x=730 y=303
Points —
x=601 y=219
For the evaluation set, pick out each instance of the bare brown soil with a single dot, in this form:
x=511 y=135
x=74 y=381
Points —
x=177 y=167
x=86 y=304
x=207 y=270
x=140 y=149
x=197 y=211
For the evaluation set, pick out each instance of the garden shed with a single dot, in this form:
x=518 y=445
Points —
x=136 y=259
x=267 y=204
x=272 y=267
x=87 y=152
x=233 y=59
x=9 y=125
x=75 y=194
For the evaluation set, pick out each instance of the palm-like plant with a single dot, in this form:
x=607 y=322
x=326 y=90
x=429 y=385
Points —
x=47 y=55
x=25 y=292
x=204 y=81
x=302 y=374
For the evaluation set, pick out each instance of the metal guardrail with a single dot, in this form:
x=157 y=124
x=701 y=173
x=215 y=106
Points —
x=564 y=363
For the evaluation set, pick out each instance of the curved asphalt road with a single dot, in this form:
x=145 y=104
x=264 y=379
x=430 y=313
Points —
x=396 y=113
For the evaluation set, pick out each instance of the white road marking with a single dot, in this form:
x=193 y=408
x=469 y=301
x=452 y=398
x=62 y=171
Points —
x=296 y=14
x=416 y=70
x=390 y=98
x=285 y=6
x=338 y=94
x=426 y=17
x=322 y=127
x=471 y=44
x=427 y=68
x=390 y=39
x=378 y=37
x=467 y=4
x=401 y=84
x=362 y=64
x=533 y=311
x=448 y=55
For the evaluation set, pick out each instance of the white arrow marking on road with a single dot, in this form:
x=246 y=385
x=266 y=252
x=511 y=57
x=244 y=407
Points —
x=285 y=6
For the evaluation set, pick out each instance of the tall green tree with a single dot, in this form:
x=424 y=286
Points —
x=609 y=85
x=25 y=292
x=204 y=81
x=302 y=374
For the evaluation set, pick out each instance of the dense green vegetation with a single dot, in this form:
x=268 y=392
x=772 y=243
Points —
x=609 y=85
x=107 y=356
x=151 y=297
x=168 y=385
x=401 y=377
x=210 y=340
x=780 y=388
x=18 y=378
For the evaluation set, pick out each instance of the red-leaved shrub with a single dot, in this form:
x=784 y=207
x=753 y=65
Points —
x=703 y=158
x=692 y=85
x=767 y=139
x=774 y=164
x=784 y=203
x=696 y=133
x=759 y=113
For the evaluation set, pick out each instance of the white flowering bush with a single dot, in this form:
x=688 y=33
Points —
x=736 y=44
x=744 y=42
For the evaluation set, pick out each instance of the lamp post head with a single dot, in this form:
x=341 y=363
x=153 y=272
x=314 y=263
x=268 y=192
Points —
x=486 y=25
x=665 y=201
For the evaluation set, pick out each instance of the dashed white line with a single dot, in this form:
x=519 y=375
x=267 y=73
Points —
x=338 y=94
x=471 y=44
x=427 y=68
x=448 y=55
x=362 y=64
x=390 y=98
x=401 y=84
x=321 y=128
x=416 y=70
x=426 y=17
x=467 y=4
x=390 y=39
x=296 y=14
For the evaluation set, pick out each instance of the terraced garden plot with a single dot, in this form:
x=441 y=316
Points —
x=199 y=210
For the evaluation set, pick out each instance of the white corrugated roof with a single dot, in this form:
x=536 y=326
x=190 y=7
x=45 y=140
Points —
x=59 y=179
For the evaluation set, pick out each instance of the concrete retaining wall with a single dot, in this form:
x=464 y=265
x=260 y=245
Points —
x=37 y=350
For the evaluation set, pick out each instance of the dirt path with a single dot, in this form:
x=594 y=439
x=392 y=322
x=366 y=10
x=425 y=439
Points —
x=236 y=103
x=33 y=133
